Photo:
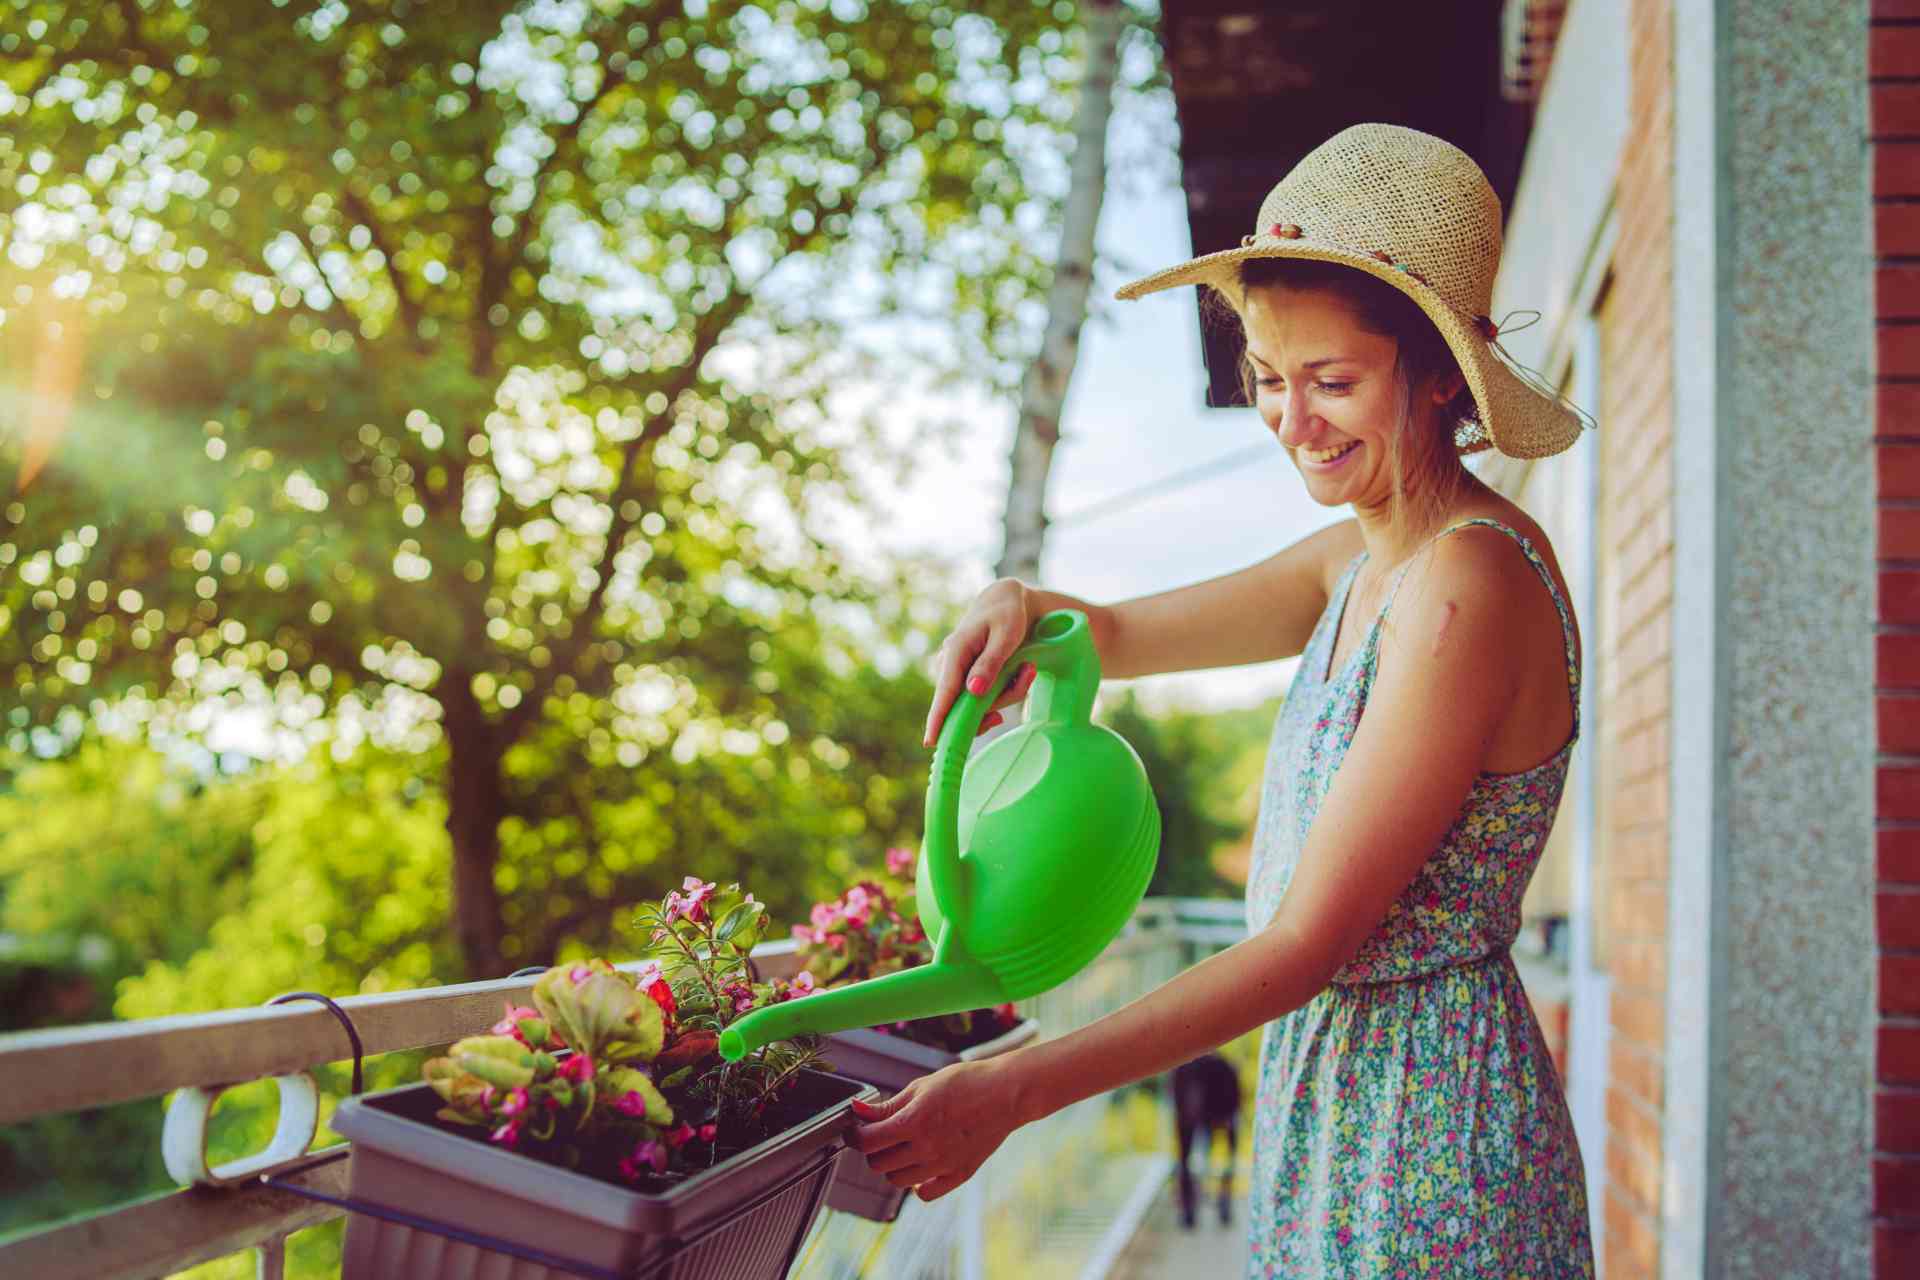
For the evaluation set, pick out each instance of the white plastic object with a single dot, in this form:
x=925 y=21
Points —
x=183 y=1139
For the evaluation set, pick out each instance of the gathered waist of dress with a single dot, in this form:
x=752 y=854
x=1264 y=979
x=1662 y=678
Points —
x=1372 y=973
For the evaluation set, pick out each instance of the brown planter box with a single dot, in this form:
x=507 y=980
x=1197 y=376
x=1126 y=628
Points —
x=743 y=1219
x=888 y=1063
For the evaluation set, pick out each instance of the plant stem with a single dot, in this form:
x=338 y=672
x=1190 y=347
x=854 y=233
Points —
x=701 y=970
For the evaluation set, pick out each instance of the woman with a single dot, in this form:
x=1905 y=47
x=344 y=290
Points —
x=1408 y=1118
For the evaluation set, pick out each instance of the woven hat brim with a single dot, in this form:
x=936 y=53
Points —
x=1518 y=420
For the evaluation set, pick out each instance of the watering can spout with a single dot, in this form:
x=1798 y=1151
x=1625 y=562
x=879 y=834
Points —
x=926 y=991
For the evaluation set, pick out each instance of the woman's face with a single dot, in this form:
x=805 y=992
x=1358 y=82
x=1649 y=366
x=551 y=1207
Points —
x=1328 y=390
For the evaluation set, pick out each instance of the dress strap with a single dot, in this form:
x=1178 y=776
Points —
x=1540 y=567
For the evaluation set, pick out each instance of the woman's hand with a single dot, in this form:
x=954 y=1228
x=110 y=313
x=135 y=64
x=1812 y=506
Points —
x=994 y=626
x=937 y=1132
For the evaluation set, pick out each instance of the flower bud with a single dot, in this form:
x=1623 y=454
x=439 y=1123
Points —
x=463 y=1092
x=623 y=1083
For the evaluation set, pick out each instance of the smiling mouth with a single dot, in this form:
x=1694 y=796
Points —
x=1324 y=456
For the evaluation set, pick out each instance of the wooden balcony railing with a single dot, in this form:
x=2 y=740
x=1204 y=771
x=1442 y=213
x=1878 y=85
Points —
x=44 y=1073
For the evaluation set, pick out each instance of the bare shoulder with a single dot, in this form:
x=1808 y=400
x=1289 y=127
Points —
x=1473 y=585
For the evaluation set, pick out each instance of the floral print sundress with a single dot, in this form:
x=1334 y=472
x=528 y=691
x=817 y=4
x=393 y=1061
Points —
x=1409 y=1122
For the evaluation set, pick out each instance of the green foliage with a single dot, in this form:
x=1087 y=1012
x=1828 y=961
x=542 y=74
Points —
x=346 y=894
x=203 y=892
x=470 y=366
x=1205 y=771
x=117 y=858
x=108 y=860
x=450 y=384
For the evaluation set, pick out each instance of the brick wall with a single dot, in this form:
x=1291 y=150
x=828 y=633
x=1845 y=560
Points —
x=1894 y=88
x=1635 y=629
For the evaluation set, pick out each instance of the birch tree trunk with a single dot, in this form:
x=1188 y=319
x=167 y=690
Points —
x=1043 y=393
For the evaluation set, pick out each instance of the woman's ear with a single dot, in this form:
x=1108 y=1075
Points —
x=1447 y=386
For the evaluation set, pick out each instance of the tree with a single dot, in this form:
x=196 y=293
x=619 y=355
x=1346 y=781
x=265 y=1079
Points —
x=1205 y=769
x=464 y=371
x=1043 y=393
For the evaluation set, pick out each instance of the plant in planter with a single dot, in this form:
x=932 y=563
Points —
x=599 y=1129
x=868 y=931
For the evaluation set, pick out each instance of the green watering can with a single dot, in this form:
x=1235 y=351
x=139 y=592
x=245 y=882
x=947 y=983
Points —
x=1033 y=862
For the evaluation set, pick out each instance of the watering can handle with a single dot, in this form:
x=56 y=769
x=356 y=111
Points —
x=1067 y=672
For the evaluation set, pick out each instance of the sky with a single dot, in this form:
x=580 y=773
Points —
x=1135 y=416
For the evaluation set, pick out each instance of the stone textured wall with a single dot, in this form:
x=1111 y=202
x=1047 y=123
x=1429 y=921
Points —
x=1793 y=1004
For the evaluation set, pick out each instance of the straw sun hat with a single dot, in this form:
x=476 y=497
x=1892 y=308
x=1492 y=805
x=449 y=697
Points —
x=1408 y=208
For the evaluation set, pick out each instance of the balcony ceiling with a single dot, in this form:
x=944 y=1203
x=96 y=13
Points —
x=1258 y=83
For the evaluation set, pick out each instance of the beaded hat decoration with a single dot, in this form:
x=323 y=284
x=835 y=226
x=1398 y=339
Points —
x=1416 y=211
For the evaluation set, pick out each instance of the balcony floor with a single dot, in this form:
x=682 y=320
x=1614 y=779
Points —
x=1162 y=1250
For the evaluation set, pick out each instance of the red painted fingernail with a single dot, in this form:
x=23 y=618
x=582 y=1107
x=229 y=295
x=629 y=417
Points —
x=977 y=686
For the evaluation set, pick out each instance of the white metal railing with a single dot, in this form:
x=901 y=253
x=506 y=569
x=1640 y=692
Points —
x=68 y=1069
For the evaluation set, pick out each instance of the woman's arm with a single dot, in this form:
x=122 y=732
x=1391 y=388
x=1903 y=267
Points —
x=1265 y=611
x=1442 y=691
x=1257 y=614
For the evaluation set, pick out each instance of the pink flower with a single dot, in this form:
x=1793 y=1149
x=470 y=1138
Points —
x=803 y=933
x=508 y=1134
x=576 y=1067
x=749 y=898
x=648 y=1153
x=901 y=862
x=673 y=907
x=652 y=980
x=708 y=1132
x=837 y=941
x=679 y=1135
x=859 y=905
x=510 y=1025
x=579 y=974
x=516 y=1102
x=631 y=1103
x=742 y=997
x=802 y=985
x=825 y=915
x=698 y=891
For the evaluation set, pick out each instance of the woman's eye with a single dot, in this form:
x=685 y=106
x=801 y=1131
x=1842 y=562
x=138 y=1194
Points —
x=1275 y=383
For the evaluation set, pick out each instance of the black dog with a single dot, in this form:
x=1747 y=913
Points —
x=1206 y=1096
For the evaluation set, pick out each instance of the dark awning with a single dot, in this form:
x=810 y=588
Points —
x=1258 y=84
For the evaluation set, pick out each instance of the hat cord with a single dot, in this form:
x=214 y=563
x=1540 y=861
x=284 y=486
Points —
x=1493 y=331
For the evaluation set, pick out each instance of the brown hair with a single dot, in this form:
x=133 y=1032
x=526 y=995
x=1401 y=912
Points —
x=1425 y=466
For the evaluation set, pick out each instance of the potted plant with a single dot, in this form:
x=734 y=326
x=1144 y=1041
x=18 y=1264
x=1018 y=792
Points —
x=599 y=1133
x=868 y=931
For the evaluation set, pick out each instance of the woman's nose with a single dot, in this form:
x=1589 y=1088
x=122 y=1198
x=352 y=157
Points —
x=1294 y=420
